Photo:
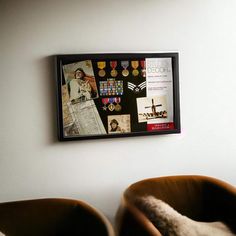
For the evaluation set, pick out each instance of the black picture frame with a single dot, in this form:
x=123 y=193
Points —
x=65 y=66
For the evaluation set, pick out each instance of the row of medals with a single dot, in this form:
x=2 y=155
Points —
x=112 y=106
x=125 y=64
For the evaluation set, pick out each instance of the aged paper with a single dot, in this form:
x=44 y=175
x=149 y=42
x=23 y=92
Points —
x=87 y=118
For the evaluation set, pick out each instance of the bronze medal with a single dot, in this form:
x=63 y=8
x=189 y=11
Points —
x=101 y=73
x=117 y=106
x=113 y=65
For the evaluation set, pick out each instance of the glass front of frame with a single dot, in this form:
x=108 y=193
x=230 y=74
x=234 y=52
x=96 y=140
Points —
x=113 y=95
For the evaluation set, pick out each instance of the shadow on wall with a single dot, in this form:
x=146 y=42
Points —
x=48 y=76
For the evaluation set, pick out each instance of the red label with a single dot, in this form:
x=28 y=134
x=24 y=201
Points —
x=161 y=126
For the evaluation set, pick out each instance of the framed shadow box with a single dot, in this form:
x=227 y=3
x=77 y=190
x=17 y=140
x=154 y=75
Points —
x=117 y=95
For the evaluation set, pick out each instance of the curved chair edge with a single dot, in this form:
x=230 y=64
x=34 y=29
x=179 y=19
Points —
x=76 y=202
x=227 y=186
x=127 y=208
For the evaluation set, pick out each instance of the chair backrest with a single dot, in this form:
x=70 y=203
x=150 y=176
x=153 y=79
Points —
x=184 y=193
x=189 y=195
x=52 y=217
x=200 y=198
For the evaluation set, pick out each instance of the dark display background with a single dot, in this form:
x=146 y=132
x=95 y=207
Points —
x=128 y=99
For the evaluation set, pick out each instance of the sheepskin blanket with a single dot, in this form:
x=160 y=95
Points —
x=171 y=223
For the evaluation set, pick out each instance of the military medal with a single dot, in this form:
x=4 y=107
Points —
x=111 y=87
x=137 y=88
x=111 y=106
x=113 y=65
x=105 y=102
x=125 y=65
x=143 y=65
x=103 y=88
x=101 y=66
x=119 y=87
x=117 y=106
x=135 y=65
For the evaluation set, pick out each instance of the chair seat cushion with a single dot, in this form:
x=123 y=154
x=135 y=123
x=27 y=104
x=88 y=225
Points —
x=171 y=223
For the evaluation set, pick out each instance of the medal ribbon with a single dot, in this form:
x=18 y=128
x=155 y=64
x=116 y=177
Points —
x=125 y=64
x=135 y=64
x=143 y=64
x=117 y=100
x=111 y=100
x=105 y=101
x=101 y=64
x=113 y=64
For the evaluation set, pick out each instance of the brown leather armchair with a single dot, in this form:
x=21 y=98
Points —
x=200 y=198
x=52 y=217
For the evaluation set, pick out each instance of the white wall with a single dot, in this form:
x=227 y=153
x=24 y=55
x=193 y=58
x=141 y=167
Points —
x=33 y=164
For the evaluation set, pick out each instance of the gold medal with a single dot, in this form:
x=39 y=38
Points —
x=114 y=73
x=111 y=107
x=101 y=66
x=135 y=72
x=135 y=65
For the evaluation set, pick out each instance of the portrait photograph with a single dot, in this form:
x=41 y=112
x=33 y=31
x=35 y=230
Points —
x=80 y=81
x=119 y=124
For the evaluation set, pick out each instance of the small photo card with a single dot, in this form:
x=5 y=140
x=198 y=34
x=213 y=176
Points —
x=119 y=124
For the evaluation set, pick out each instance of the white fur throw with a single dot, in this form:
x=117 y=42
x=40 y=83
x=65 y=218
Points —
x=171 y=223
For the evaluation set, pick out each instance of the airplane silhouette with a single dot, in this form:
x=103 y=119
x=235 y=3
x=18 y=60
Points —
x=153 y=107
